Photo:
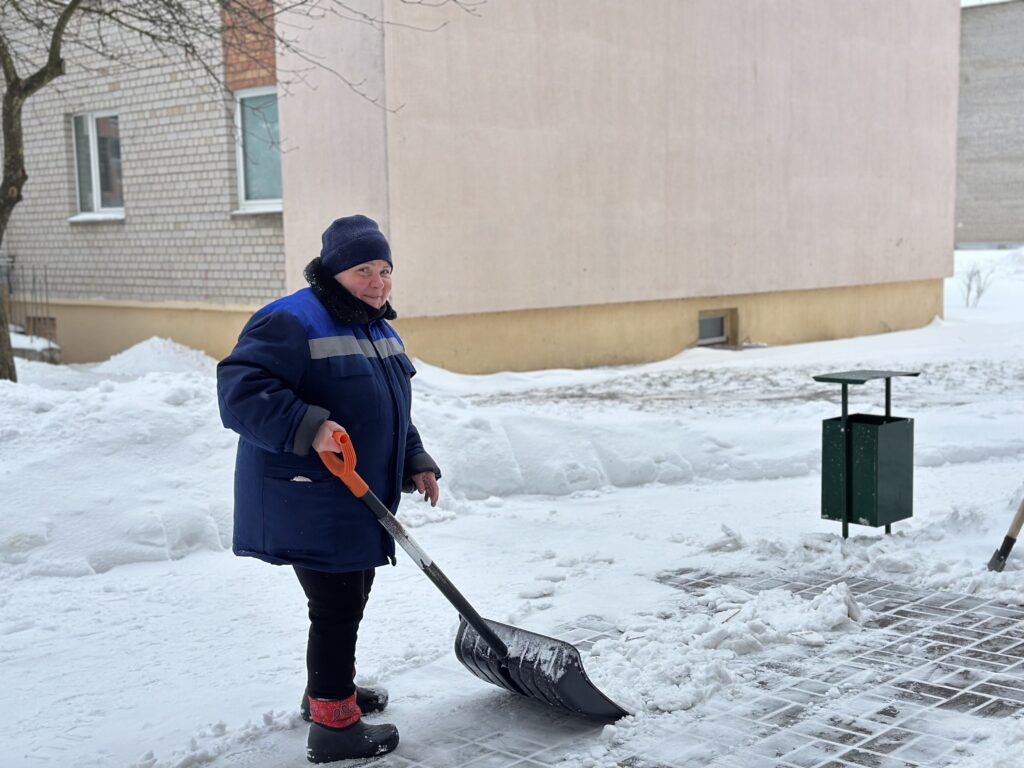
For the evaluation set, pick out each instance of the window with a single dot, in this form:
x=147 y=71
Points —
x=715 y=326
x=98 y=164
x=258 y=150
x=42 y=326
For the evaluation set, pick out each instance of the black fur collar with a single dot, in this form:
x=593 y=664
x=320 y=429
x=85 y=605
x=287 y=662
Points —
x=342 y=305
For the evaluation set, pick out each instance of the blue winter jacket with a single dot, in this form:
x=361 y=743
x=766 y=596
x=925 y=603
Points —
x=294 y=366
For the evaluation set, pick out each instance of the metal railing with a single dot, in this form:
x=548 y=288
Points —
x=24 y=290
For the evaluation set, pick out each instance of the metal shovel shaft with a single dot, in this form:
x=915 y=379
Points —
x=346 y=471
x=435 y=574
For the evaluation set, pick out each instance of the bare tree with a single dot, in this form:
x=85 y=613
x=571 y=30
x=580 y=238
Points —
x=974 y=283
x=35 y=34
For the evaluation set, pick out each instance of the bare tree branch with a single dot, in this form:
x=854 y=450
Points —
x=54 y=64
x=7 y=62
x=464 y=5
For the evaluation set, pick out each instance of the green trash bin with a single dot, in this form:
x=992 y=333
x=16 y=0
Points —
x=867 y=461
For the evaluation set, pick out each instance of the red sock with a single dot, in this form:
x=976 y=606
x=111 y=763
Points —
x=334 y=713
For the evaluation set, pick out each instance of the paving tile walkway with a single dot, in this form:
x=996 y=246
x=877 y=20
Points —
x=933 y=662
x=931 y=658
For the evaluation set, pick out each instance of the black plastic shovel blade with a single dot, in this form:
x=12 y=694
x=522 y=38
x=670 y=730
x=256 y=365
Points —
x=540 y=667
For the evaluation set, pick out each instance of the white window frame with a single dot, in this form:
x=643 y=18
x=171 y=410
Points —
x=98 y=213
x=709 y=340
x=270 y=205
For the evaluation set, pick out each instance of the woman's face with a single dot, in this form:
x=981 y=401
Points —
x=369 y=282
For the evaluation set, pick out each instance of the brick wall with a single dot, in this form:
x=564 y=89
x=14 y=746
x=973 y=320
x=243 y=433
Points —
x=249 y=59
x=990 y=161
x=181 y=239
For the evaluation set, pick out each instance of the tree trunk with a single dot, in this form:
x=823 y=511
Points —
x=7 y=370
x=14 y=173
x=14 y=177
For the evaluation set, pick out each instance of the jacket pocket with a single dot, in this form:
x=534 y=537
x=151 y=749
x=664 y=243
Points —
x=304 y=516
x=350 y=365
x=357 y=395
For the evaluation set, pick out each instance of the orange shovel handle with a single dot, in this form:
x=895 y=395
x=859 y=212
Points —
x=345 y=468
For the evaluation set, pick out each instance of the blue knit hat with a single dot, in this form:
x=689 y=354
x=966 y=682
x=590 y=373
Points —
x=351 y=241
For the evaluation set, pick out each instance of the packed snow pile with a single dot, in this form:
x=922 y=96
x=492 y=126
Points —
x=27 y=341
x=104 y=473
x=498 y=451
x=682 y=655
x=156 y=354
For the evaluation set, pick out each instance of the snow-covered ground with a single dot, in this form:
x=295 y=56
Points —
x=131 y=636
x=35 y=343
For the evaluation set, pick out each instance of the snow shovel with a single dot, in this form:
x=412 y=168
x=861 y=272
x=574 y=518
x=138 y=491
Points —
x=538 y=667
x=998 y=561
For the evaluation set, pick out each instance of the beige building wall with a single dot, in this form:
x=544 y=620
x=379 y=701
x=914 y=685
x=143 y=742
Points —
x=96 y=330
x=609 y=334
x=619 y=164
x=617 y=334
x=333 y=128
x=552 y=154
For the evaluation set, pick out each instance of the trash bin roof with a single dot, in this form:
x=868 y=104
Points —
x=861 y=377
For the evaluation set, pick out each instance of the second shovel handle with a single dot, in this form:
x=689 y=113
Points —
x=1018 y=521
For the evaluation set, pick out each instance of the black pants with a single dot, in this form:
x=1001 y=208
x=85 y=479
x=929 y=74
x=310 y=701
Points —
x=336 y=602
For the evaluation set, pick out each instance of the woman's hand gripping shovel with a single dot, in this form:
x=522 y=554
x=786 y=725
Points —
x=539 y=667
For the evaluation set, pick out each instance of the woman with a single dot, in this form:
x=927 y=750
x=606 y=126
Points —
x=305 y=366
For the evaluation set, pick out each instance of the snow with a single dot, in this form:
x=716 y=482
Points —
x=671 y=662
x=131 y=636
x=34 y=343
x=156 y=355
x=974 y=3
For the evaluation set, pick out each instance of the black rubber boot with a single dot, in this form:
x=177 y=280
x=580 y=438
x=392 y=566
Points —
x=370 y=700
x=359 y=740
